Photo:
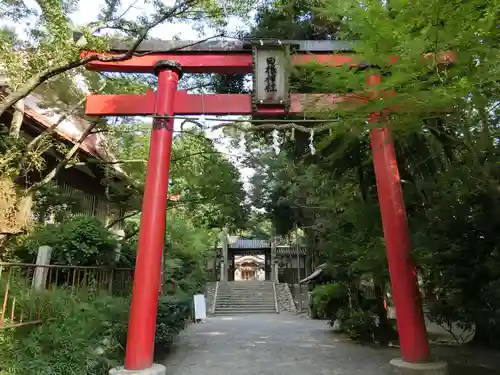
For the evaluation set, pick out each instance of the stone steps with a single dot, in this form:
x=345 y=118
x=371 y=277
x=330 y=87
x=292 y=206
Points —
x=245 y=298
x=244 y=305
x=249 y=304
x=233 y=313
x=247 y=307
x=249 y=291
x=245 y=302
x=245 y=310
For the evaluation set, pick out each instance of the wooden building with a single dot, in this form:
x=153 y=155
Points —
x=86 y=177
x=284 y=263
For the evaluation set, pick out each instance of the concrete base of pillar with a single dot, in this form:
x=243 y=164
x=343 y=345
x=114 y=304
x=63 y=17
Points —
x=425 y=368
x=156 y=369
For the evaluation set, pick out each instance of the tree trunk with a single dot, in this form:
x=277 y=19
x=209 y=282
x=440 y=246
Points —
x=17 y=119
x=24 y=211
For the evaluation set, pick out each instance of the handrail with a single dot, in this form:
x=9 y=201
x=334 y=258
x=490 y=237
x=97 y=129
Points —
x=275 y=299
x=214 y=302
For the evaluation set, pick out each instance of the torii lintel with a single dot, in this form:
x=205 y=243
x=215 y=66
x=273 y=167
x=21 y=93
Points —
x=211 y=104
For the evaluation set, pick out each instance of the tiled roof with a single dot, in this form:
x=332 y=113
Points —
x=290 y=250
x=70 y=128
x=235 y=243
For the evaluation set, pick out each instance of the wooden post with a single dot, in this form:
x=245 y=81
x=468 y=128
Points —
x=297 y=248
x=225 y=260
x=40 y=275
x=274 y=274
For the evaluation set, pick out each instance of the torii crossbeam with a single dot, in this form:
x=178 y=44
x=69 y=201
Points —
x=267 y=61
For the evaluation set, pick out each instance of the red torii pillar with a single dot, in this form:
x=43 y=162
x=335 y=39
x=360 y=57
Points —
x=147 y=275
x=402 y=271
x=167 y=101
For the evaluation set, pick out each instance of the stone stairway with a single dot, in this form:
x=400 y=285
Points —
x=245 y=297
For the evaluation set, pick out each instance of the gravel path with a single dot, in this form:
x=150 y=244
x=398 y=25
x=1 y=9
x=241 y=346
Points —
x=271 y=345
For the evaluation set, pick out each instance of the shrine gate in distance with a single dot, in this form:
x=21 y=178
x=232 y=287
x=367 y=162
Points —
x=286 y=263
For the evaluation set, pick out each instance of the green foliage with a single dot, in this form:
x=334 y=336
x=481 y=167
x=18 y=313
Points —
x=214 y=199
x=296 y=20
x=80 y=240
x=81 y=334
x=53 y=202
x=16 y=158
x=258 y=226
x=357 y=323
x=173 y=312
x=187 y=250
x=327 y=299
x=446 y=137
x=209 y=200
x=460 y=252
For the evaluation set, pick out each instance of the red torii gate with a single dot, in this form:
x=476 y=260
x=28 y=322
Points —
x=235 y=57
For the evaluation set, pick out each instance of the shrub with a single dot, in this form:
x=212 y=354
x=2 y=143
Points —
x=53 y=201
x=80 y=335
x=327 y=299
x=356 y=323
x=194 y=282
x=80 y=240
x=173 y=312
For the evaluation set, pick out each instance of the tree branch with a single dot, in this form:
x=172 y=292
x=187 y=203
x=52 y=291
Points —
x=49 y=176
x=37 y=79
x=98 y=161
x=34 y=142
x=98 y=26
x=127 y=216
x=130 y=235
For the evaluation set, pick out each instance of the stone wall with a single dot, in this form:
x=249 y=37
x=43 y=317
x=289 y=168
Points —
x=285 y=299
x=209 y=296
x=300 y=295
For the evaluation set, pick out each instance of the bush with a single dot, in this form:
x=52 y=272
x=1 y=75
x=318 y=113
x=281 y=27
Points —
x=327 y=299
x=173 y=312
x=356 y=323
x=80 y=335
x=53 y=201
x=80 y=240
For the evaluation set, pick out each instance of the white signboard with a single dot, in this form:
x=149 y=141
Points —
x=270 y=75
x=200 y=307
